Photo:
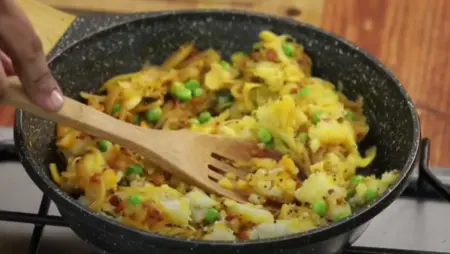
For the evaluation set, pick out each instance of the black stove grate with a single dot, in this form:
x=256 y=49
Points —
x=425 y=185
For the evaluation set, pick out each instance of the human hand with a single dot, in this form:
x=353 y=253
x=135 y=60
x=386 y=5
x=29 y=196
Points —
x=21 y=54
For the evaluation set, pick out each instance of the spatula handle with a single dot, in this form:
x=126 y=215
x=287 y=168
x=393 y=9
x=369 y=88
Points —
x=73 y=114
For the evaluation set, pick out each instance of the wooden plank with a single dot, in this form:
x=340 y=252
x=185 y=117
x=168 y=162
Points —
x=309 y=11
x=411 y=37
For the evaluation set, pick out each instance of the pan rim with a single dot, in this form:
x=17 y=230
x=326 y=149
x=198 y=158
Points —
x=358 y=218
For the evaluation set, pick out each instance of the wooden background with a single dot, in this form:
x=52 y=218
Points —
x=412 y=37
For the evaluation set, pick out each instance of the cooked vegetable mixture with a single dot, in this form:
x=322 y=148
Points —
x=268 y=95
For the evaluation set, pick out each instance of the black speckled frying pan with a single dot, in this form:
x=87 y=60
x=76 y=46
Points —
x=124 y=48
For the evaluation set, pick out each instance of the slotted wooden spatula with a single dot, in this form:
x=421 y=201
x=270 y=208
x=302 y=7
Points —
x=193 y=157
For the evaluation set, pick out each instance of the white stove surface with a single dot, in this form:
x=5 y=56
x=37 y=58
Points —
x=406 y=224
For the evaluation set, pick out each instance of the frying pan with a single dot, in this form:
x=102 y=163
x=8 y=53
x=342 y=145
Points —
x=84 y=66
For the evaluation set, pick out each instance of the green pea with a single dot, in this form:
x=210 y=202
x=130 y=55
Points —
x=192 y=84
x=356 y=179
x=371 y=194
x=175 y=88
x=135 y=200
x=194 y=121
x=237 y=55
x=116 y=108
x=320 y=207
x=264 y=135
x=197 y=92
x=153 y=114
x=104 y=145
x=305 y=91
x=240 y=53
x=211 y=215
x=351 y=115
x=341 y=216
x=316 y=117
x=134 y=169
x=137 y=119
x=288 y=49
x=178 y=90
x=184 y=95
x=303 y=137
x=204 y=117
x=225 y=65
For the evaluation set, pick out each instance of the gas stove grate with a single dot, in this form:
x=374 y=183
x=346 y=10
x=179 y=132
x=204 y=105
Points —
x=426 y=185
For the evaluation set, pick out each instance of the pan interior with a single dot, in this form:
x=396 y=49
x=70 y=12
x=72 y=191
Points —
x=85 y=66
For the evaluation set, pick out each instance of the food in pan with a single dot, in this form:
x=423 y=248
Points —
x=267 y=94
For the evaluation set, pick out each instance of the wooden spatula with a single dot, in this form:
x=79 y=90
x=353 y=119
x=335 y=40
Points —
x=193 y=157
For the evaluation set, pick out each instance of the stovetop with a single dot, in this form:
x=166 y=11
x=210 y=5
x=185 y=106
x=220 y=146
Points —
x=415 y=223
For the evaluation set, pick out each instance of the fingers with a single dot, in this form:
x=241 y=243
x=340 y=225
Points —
x=7 y=64
x=19 y=41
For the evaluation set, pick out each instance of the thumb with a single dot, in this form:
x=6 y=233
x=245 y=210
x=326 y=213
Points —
x=38 y=82
x=7 y=64
x=20 y=42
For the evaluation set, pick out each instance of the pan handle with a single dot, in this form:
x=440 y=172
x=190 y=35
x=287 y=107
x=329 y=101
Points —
x=426 y=176
x=8 y=152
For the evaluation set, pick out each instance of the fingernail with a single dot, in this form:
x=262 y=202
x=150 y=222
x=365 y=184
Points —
x=56 y=99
